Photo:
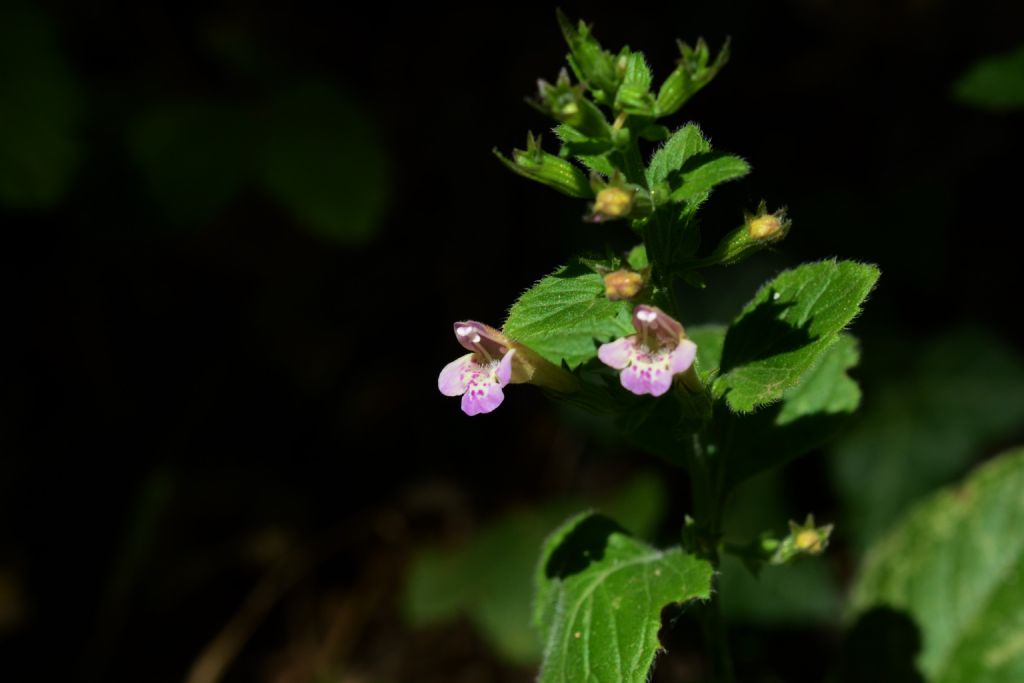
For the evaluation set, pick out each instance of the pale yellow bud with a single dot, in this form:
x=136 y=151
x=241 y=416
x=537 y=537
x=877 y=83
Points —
x=613 y=202
x=622 y=284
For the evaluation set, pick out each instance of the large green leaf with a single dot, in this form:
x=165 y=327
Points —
x=563 y=315
x=40 y=110
x=600 y=593
x=490 y=578
x=995 y=83
x=955 y=564
x=787 y=328
x=943 y=402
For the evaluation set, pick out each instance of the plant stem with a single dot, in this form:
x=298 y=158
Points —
x=706 y=481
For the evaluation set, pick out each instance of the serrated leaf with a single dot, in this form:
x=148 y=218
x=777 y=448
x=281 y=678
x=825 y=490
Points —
x=995 y=83
x=701 y=172
x=786 y=329
x=955 y=565
x=564 y=315
x=600 y=593
x=490 y=579
x=684 y=144
x=946 y=400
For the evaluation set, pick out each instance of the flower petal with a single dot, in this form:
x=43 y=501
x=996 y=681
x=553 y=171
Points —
x=682 y=356
x=482 y=398
x=635 y=379
x=504 y=371
x=455 y=376
x=617 y=354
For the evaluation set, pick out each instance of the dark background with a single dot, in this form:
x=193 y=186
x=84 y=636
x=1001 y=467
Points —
x=189 y=405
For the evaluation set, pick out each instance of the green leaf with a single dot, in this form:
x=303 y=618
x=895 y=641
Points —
x=565 y=314
x=702 y=172
x=709 y=340
x=995 y=83
x=955 y=565
x=194 y=157
x=589 y=61
x=634 y=95
x=942 y=403
x=490 y=579
x=785 y=330
x=590 y=152
x=810 y=413
x=320 y=157
x=40 y=110
x=600 y=593
x=684 y=144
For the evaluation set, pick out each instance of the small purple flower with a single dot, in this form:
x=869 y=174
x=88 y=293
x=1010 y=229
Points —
x=651 y=358
x=479 y=376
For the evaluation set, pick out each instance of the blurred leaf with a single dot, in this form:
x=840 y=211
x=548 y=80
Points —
x=599 y=600
x=321 y=158
x=634 y=94
x=786 y=329
x=491 y=578
x=39 y=110
x=692 y=74
x=803 y=592
x=561 y=316
x=923 y=426
x=709 y=340
x=194 y=156
x=955 y=564
x=591 y=63
x=995 y=83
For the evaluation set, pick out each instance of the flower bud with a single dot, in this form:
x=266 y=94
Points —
x=758 y=231
x=551 y=170
x=613 y=202
x=803 y=539
x=766 y=226
x=692 y=74
x=622 y=284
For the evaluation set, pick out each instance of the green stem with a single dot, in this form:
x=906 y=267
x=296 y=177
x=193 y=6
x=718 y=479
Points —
x=707 y=479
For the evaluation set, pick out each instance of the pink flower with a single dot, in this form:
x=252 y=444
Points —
x=479 y=376
x=651 y=358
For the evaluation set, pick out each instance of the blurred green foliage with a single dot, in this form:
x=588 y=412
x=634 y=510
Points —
x=40 y=111
x=490 y=577
x=995 y=83
x=924 y=424
x=955 y=564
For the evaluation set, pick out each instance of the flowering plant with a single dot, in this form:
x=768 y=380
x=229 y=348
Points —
x=723 y=402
